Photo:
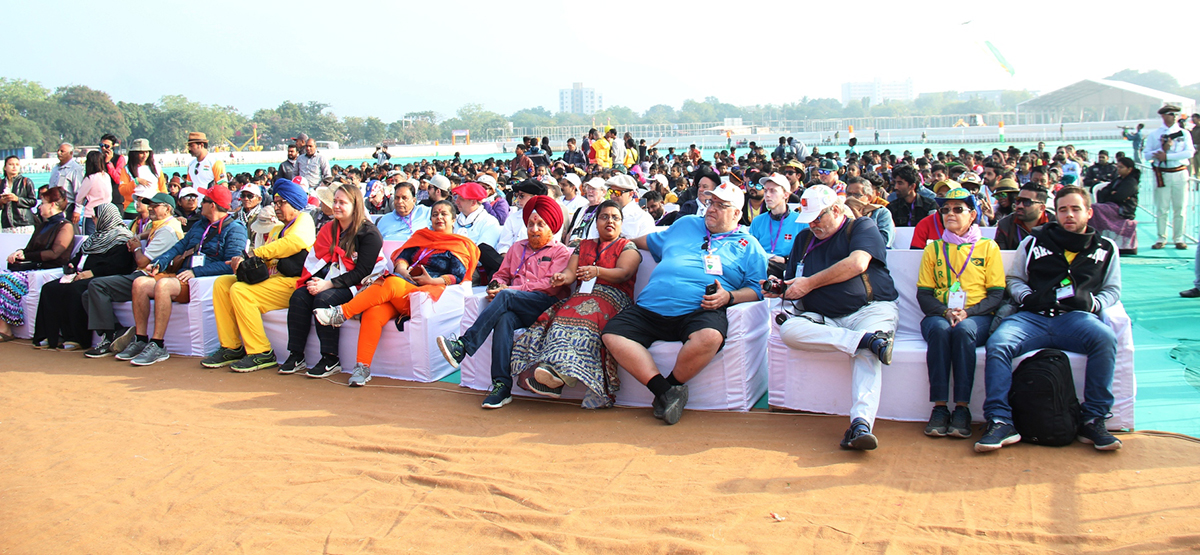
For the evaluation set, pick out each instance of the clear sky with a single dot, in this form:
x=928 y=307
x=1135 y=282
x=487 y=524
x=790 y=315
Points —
x=386 y=58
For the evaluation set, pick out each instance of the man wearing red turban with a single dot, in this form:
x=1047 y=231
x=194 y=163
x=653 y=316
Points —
x=520 y=291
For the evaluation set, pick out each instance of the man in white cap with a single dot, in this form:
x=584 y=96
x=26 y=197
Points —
x=580 y=221
x=677 y=305
x=636 y=221
x=1169 y=149
x=251 y=197
x=843 y=300
x=571 y=200
x=185 y=207
x=438 y=188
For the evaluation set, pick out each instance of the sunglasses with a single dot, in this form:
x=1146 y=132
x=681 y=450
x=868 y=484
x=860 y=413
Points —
x=789 y=172
x=106 y=146
x=249 y=195
x=756 y=186
x=824 y=172
x=1022 y=201
x=952 y=209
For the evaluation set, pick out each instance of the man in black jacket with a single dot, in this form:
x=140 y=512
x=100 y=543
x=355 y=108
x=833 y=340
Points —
x=1102 y=171
x=1063 y=277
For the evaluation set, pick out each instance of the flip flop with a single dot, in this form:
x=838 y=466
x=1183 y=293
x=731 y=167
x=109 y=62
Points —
x=5 y=338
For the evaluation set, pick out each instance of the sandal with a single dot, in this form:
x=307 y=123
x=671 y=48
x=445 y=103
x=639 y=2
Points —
x=5 y=338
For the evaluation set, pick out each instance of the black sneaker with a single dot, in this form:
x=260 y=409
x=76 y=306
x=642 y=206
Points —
x=294 y=363
x=939 y=422
x=997 y=435
x=452 y=349
x=960 y=423
x=258 y=361
x=500 y=395
x=1096 y=434
x=673 y=402
x=104 y=349
x=327 y=366
x=658 y=408
x=859 y=436
x=882 y=343
x=223 y=357
x=123 y=339
x=532 y=385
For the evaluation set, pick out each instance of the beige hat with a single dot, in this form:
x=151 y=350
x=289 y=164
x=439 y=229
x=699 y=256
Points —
x=140 y=145
x=485 y=179
x=621 y=181
x=597 y=183
x=265 y=221
x=325 y=195
x=197 y=137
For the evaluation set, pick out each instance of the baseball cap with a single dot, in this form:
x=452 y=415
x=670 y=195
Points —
x=952 y=184
x=596 y=183
x=253 y=189
x=574 y=179
x=218 y=195
x=958 y=194
x=488 y=180
x=300 y=137
x=163 y=198
x=816 y=199
x=970 y=177
x=188 y=191
x=730 y=193
x=145 y=191
x=776 y=178
x=470 y=191
x=662 y=179
x=440 y=181
x=828 y=165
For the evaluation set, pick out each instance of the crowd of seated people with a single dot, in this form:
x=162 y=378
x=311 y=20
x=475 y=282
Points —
x=556 y=246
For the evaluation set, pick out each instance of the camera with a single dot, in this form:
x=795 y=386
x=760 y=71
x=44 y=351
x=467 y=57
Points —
x=774 y=286
x=494 y=285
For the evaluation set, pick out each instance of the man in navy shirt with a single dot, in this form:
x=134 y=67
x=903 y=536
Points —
x=837 y=275
x=693 y=254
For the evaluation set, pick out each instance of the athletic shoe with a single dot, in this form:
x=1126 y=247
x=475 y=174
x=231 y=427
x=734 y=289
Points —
x=250 y=363
x=294 y=363
x=960 y=423
x=330 y=316
x=658 y=407
x=881 y=344
x=499 y=396
x=548 y=377
x=939 y=422
x=453 y=350
x=134 y=349
x=534 y=386
x=859 y=436
x=223 y=357
x=1094 y=433
x=105 y=348
x=123 y=339
x=997 y=435
x=327 y=366
x=673 y=402
x=361 y=375
x=70 y=346
x=150 y=355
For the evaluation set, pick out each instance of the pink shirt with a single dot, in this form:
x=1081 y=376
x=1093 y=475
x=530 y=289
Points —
x=96 y=189
x=525 y=269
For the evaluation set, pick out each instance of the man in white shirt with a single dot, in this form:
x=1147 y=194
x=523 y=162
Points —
x=1169 y=149
x=476 y=224
x=67 y=174
x=636 y=221
x=513 y=229
x=571 y=199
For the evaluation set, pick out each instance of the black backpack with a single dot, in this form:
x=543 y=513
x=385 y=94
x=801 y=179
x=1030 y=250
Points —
x=1044 y=407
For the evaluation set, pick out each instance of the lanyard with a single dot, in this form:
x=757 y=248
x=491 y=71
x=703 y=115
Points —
x=525 y=259
x=424 y=253
x=142 y=225
x=816 y=244
x=912 y=210
x=601 y=251
x=286 y=226
x=775 y=238
x=204 y=237
x=709 y=239
x=956 y=275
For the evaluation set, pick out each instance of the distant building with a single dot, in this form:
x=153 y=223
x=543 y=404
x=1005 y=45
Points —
x=578 y=100
x=996 y=97
x=877 y=91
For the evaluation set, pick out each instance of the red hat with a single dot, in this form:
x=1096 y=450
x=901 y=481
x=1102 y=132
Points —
x=549 y=210
x=471 y=191
x=219 y=195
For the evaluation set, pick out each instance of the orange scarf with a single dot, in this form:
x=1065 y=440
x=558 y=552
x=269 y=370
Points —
x=461 y=247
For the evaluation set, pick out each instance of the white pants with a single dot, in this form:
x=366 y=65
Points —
x=843 y=335
x=1171 y=199
x=24 y=229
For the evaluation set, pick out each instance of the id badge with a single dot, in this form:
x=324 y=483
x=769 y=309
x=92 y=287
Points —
x=1064 y=292
x=799 y=269
x=197 y=260
x=956 y=300
x=712 y=265
x=586 y=286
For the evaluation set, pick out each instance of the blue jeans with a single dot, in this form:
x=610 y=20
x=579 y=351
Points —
x=509 y=311
x=1196 y=269
x=1077 y=332
x=953 y=348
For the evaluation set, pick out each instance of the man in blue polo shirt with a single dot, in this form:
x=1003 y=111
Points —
x=406 y=216
x=837 y=275
x=694 y=254
x=779 y=228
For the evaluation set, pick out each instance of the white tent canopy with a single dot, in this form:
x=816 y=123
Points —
x=1098 y=100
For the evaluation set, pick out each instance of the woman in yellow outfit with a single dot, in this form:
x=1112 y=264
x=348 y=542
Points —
x=239 y=306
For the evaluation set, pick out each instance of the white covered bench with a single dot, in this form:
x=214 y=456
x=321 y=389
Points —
x=820 y=382
x=192 y=330
x=734 y=380
x=411 y=355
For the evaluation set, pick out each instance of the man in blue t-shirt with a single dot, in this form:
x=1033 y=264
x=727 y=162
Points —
x=837 y=275
x=407 y=216
x=695 y=253
x=778 y=228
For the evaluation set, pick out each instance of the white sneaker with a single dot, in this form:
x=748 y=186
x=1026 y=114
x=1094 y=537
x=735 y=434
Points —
x=331 y=316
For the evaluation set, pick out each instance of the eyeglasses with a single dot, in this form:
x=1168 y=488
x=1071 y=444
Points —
x=608 y=218
x=712 y=204
x=278 y=202
x=955 y=209
x=1022 y=201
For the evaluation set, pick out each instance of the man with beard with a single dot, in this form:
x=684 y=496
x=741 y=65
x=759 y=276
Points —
x=1029 y=213
x=287 y=168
